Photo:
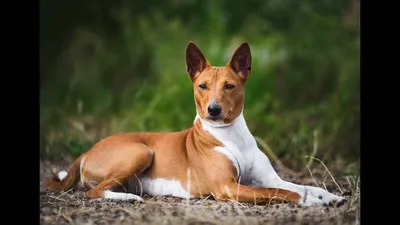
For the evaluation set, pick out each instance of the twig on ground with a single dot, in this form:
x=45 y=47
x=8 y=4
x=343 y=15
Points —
x=312 y=177
x=65 y=192
x=315 y=148
x=323 y=164
x=60 y=199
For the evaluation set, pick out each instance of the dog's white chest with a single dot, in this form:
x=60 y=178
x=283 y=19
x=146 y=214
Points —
x=239 y=144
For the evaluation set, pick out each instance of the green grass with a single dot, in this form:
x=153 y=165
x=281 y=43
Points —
x=305 y=78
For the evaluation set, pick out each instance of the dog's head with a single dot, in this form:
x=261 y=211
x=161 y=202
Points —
x=219 y=91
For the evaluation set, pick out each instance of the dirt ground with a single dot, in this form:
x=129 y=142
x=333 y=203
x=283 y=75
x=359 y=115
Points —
x=72 y=207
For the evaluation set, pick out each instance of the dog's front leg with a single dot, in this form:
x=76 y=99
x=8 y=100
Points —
x=264 y=175
x=232 y=191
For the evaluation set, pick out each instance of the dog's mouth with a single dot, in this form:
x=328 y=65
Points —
x=214 y=118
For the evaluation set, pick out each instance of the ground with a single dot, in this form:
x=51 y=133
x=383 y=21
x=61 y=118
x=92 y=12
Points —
x=72 y=207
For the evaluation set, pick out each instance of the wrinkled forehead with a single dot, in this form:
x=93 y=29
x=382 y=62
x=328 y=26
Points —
x=217 y=74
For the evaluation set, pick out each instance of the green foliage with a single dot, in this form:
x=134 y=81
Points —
x=110 y=67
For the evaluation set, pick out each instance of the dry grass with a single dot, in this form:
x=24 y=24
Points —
x=72 y=207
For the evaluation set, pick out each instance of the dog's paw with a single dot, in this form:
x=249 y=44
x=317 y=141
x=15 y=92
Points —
x=122 y=196
x=132 y=197
x=306 y=199
x=311 y=196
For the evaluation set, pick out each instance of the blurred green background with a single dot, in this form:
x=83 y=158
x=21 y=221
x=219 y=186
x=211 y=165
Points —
x=116 y=66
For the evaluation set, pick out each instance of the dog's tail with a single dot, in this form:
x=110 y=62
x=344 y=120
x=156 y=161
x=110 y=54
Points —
x=63 y=180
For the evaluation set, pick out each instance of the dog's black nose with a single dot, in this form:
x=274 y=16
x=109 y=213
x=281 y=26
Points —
x=214 y=109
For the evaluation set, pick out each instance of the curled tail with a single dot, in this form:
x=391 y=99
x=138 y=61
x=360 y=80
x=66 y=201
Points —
x=63 y=180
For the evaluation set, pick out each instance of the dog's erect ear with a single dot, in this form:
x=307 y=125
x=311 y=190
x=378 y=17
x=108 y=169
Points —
x=241 y=60
x=195 y=60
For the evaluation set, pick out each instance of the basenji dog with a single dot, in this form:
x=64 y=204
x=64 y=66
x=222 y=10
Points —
x=217 y=156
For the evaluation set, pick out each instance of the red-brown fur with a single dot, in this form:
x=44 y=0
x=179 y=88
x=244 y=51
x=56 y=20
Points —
x=115 y=159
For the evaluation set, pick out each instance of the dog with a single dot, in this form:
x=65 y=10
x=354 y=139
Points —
x=216 y=156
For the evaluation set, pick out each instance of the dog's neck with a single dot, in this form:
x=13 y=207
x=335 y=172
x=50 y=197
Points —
x=236 y=132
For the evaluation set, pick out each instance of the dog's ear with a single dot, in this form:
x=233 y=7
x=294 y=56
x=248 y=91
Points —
x=241 y=60
x=195 y=60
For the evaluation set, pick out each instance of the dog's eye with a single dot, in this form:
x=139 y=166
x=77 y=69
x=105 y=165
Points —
x=203 y=86
x=229 y=86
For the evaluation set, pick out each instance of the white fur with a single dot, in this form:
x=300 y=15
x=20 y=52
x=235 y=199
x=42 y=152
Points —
x=121 y=196
x=80 y=170
x=161 y=186
x=254 y=166
x=62 y=175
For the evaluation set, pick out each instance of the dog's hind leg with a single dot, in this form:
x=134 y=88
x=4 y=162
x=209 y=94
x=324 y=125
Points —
x=135 y=159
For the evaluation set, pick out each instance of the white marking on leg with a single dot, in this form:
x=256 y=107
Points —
x=318 y=195
x=121 y=196
x=62 y=174
x=80 y=171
